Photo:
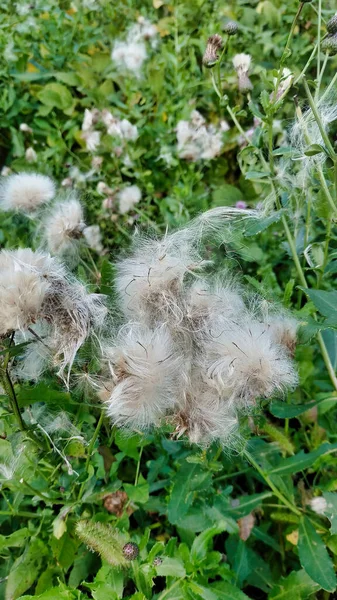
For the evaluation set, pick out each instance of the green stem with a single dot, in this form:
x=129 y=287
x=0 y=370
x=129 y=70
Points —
x=328 y=90
x=319 y=25
x=319 y=121
x=307 y=65
x=319 y=80
x=272 y=486
x=237 y=124
x=10 y=392
x=286 y=49
x=22 y=513
x=90 y=449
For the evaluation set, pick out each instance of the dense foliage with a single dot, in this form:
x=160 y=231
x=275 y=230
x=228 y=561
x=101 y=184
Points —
x=167 y=519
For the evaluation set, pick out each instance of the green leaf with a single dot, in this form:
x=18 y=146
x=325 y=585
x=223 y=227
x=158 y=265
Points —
x=56 y=95
x=14 y=540
x=314 y=556
x=25 y=570
x=314 y=149
x=181 y=498
x=201 y=542
x=227 y=591
x=325 y=302
x=171 y=567
x=297 y=586
x=302 y=460
x=243 y=505
x=64 y=550
x=281 y=410
x=253 y=175
x=226 y=195
x=138 y=493
x=255 y=226
x=128 y=444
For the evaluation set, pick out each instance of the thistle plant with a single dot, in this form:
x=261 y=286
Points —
x=290 y=179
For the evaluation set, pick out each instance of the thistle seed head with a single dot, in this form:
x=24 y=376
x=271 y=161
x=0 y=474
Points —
x=214 y=44
x=230 y=28
x=331 y=25
x=329 y=44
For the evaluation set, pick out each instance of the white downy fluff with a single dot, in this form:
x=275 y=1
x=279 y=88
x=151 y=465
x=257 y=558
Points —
x=26 y=192
x=147 y=374
x=129 y=56
x=241 y=63
x=243 y=362
x=35 y=288
x=196 y=140
x=128 y=198
x=64 y=226
x=303 y=133
x=93 y=237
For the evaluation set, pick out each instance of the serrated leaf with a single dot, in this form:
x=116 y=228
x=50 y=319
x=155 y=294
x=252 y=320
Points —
x=314 y=556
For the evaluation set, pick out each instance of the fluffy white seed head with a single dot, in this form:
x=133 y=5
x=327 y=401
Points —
x=206 y=301
x=64 y=225
x=93 y=237
x=318 y=505
x=242 y=62
x=128 y=198
x=243 y=362
x=22 y=293
x=129 y=56
x=150 y=282
x=147 y=373
x=196 y=140
x=26 y=192
x=206 y=417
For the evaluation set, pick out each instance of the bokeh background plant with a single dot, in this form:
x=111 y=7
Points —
x=255 y=523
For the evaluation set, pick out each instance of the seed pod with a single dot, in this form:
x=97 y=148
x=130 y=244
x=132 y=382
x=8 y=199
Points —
x=130 y=551
x=329 y=44
x=230 y=28
x=331 y=25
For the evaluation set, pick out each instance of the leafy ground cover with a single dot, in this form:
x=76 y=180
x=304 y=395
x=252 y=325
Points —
x=101 y=96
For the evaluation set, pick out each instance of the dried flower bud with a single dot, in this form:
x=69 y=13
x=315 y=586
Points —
x=329 y=44
x=130 y=551
x=214 y=44
x=331 y=25
x=157 y=561
x=230 y=28
x=115 y=502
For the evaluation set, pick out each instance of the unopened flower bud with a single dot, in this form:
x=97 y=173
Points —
x=230 y=28
x=157 y=561
x=130 y=551
x=214 y=44
x=331 y=25
x=329 y=44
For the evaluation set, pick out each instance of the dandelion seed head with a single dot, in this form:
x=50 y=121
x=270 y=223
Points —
x=26 y=192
